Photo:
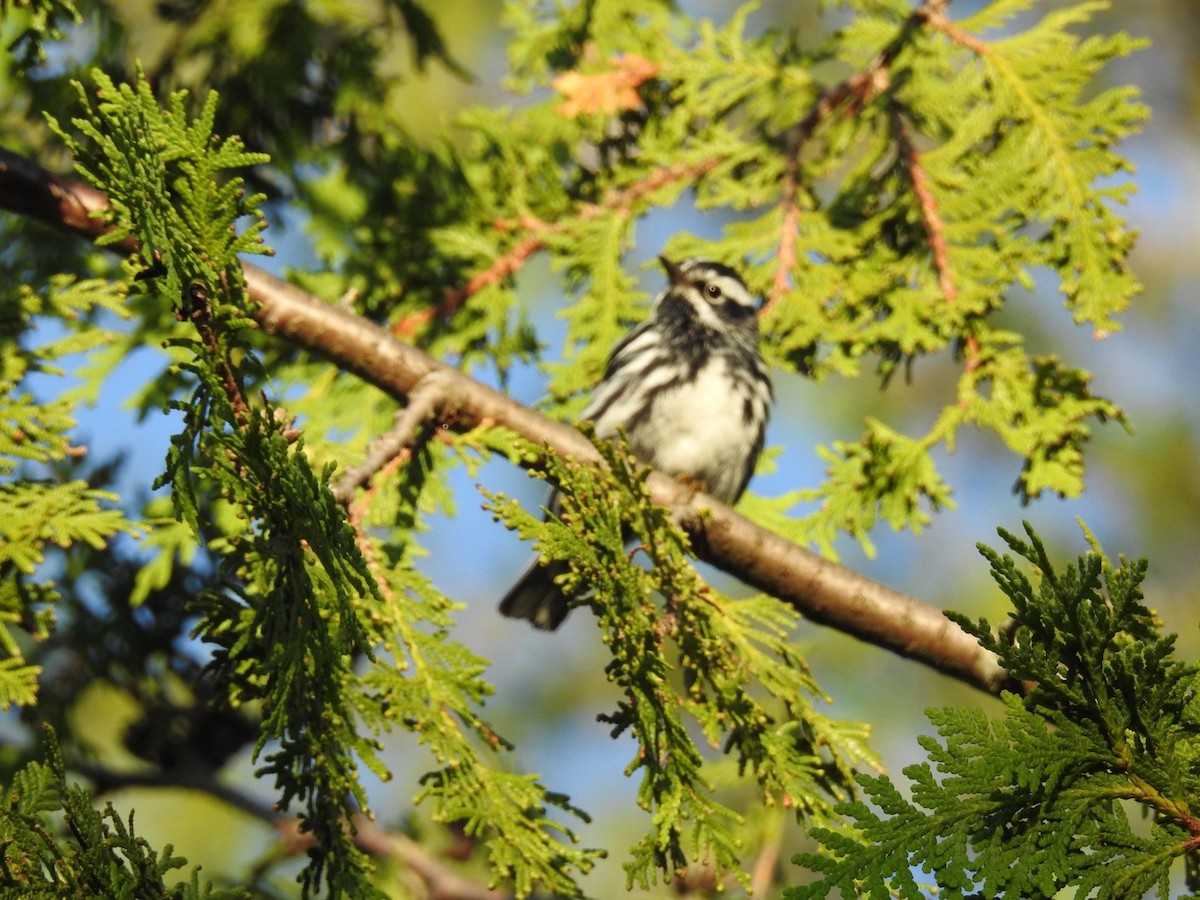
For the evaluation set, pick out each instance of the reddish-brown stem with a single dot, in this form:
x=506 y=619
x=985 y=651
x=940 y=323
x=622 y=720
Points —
x=789 y=229
x=619 y=200
x=623 y=199
x=934 y=12
x=425 y=400
x=502 y=267
x=935 y=229
x=196 y=308
x=762 y=876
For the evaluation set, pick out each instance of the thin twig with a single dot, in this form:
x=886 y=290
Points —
x=623 y=199
x=934 y=12
x=862 y=87
x=105 y=780
x=620 y=200
x=851 y=94
x=856 y=91
x=503 y=266
x=789 y=230
x=196 y=307
x=427 y=398
x=441 y=882
x=766 y=864
x=935 y=229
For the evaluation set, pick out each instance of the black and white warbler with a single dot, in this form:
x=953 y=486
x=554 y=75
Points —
x=691 y=393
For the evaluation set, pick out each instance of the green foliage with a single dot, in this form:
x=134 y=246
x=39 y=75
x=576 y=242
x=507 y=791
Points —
x=961 y=167
x=727 y=664
x=161 y=170
x=36 y=513
x=887 y=186
x=57 y=844
x=434 y=686
x=893 y=468
x=299 y=606
x=39 y=21
x=1045 y=797
x=286 y=623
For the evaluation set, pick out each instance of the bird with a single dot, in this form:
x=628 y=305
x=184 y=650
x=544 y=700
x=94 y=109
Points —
x=689 y=390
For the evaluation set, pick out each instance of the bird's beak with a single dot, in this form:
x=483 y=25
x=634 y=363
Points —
x=674 y=271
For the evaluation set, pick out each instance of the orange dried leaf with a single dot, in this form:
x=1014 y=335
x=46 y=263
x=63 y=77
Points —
x=605 y=92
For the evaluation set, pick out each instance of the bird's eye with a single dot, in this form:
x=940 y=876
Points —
x=714 y=292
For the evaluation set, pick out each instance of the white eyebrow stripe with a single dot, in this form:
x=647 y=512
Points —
x=734 y=290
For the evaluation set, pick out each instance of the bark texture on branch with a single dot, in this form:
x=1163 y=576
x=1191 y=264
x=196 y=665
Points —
x=821 y=590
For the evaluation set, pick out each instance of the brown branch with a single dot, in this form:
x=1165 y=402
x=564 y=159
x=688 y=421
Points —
x=934 y=13
x=789 y=230
x=862 y=87
x=440 y=881
x=935 y=230
x=195 y=307
x=105 y=780
x=819 y=589
x=766 y=864
x=854 y=92
x=453 y=298
x=857 y=91
x=623 y=199
x=426 y=399
x=510 y=262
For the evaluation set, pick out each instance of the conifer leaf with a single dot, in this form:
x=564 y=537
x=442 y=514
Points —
x=719 y=647
x=1031 y=803
x=38 y=21
x=18 y=682
x=97 y=854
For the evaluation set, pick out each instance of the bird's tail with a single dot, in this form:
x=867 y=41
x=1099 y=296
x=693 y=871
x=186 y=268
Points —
x=537 y=598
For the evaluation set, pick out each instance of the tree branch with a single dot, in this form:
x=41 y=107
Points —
x=853 y=93
x=426 y=399
x=821 y=590
x=934 y=12
x=619 y=200
x=935 y=230
x=441 y=882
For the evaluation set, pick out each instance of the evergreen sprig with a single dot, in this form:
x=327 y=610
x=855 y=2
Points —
x=434 y=686
x=287 y=625
x=40 y=21
x=1035 y=802
x=727 y=664
x=57 y=844
x=37 y=513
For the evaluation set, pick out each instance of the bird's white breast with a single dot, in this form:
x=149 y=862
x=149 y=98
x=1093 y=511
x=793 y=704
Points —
x=698 y=429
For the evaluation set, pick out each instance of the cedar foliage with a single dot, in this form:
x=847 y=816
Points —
x=889 y=184
x=1045 y=797
x=99 y=854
